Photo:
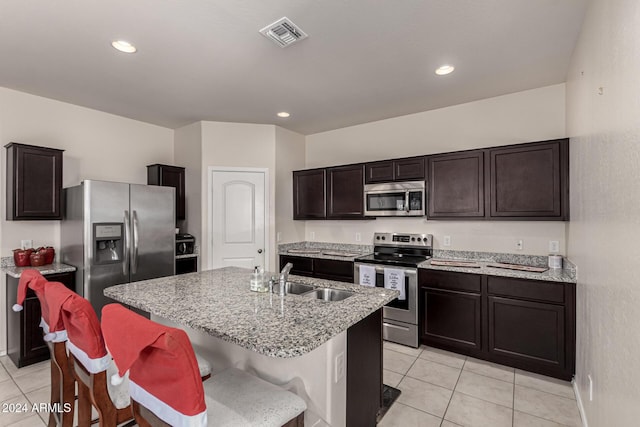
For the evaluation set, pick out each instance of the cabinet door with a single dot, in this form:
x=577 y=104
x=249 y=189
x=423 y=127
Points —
x=379 y=172
x=409 y=169
x=34 y=348
x=345 y=192
x=34 y=182
x=170 y=176
x=527 y=331
x=452 y=319
x=530 y=181
x=456 y=185
x=309 y=194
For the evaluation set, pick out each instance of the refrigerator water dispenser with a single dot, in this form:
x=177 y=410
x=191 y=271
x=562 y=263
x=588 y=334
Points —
x=108 y=242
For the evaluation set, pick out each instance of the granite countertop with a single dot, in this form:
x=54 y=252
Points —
x=15 y=272
x=219 y=303
x=567 y=274
x=347 y=252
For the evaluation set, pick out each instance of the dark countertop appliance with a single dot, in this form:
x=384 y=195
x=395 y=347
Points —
x=185 y=244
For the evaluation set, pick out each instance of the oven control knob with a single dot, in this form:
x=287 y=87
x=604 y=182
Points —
x=383 y=238
x=419 y=239
x=413 y=239
x=377 y=237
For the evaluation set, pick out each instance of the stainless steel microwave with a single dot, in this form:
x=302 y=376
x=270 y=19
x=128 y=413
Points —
x=394 y=199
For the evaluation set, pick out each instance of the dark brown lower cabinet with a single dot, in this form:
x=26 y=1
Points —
x=25 y=345
x=529 y=331
x=329 y=269
x=364 y=371
x=452 y=318
x=527 y=324
x=186 y=265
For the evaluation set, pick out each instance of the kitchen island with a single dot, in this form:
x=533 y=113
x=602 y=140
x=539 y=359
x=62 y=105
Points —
x=324 y=351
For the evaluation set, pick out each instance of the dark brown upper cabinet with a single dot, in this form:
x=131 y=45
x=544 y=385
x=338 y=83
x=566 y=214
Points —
x=170 y=176
x=309 y=192
x=456 y=185
x=515 y=182
x=409 y=169
x=345 y=192
x=34 y=182
x=530 y=181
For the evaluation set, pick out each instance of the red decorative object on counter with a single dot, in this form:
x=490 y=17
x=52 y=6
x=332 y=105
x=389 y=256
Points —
x=21 y=257
x=37 y=259
x=48 y=253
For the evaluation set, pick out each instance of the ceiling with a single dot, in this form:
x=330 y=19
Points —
x=364 y=60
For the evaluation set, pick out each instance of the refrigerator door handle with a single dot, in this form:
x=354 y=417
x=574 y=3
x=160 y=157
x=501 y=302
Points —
x=134 y=259
x=127 y=242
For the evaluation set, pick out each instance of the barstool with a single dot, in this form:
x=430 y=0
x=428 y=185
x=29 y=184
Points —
x=165 y=387
x=62 y=379
x=90 y=362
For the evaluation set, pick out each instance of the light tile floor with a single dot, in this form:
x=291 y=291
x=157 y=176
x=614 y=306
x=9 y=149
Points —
x=442 y=389
x=439 y=389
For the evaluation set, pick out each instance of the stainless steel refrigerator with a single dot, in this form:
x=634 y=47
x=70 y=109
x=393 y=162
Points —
x=117 y=233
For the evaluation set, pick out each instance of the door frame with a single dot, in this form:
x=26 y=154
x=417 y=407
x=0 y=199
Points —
x=267 y=208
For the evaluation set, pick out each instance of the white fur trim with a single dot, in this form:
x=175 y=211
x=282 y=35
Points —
x=163 y=411
x=92 y=365
x=17 y=307
x=44 y=325
x=116 y=379
x=59 y=336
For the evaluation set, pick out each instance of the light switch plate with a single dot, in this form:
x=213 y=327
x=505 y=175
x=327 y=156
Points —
x=447 y=241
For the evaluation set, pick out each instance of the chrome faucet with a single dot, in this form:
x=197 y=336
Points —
x=284 y=275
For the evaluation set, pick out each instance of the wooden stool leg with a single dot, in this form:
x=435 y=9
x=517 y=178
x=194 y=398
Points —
x=68 y=398
x=84 y=405
x=55 y=392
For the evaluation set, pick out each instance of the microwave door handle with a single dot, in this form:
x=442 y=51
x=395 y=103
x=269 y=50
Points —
x=406 y=201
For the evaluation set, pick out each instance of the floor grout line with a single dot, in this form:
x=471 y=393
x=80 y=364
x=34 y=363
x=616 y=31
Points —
x=453 y=392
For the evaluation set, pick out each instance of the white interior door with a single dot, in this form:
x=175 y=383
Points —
x=238 y=218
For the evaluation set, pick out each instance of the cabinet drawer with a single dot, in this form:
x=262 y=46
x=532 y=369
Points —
x=527 y=289
x=448 y=280
x=329 y=268
x=301 y=265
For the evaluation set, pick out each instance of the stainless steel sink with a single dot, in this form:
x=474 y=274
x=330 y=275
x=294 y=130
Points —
x=327 y=294
x=294 y=288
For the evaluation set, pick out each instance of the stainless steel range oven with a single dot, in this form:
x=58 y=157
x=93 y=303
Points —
x=394 y=264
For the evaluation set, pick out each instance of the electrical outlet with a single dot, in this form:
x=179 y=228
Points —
x=590 y=388
x=358 y=237
x=278 y=236
x=26 y=244
x=312 y=235
x=554 y=246
x=520 y=244
x=339 y=371
x=447 y=241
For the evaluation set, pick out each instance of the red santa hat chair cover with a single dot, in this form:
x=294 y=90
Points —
x=138 y=345
x=32 y=279
x=91 y=364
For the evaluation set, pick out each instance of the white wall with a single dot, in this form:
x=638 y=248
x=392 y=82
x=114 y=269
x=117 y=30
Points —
x=528 y=116
x=290 y=148
x=97 y=146
x=187 y=152
x=237 y=145
x=604 y=230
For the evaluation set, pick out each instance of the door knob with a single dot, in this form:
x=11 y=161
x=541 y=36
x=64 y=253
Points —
x=259 y=251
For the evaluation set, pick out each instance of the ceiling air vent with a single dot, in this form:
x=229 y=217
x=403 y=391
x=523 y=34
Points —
x=283 y=32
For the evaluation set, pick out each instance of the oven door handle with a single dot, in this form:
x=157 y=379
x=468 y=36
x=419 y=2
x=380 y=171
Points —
x=407 y=271
x=389 y=325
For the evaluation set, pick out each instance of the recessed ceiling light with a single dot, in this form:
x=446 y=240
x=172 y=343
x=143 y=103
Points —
x=445 y=69
x=124 y=46
x=283 y=114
